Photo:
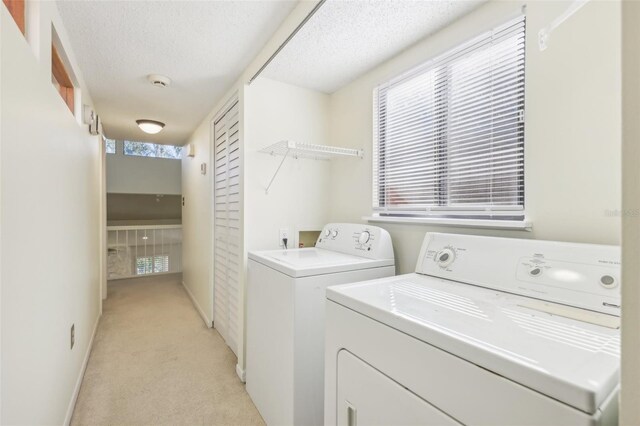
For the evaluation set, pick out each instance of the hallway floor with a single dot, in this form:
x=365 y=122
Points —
x=155 y=362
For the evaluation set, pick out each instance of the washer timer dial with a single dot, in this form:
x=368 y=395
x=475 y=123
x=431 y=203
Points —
x=445 y=257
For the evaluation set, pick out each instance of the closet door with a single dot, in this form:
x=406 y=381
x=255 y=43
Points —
x=226 y=250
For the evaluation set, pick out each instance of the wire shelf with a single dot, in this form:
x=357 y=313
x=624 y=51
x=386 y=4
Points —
x=310 y=151
x=306 y=150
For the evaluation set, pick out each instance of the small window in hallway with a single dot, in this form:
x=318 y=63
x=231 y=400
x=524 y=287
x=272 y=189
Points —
x=148 y=149
x=16 y=9
x=110 y=146
x=152 y=264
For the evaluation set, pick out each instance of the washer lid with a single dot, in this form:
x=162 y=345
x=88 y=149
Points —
x=573 y=361
x=314 y=261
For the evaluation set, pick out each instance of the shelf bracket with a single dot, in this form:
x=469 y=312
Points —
x=284 y=157
x=545 y=33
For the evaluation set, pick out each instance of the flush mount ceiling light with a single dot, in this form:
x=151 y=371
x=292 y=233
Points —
x=150 y=126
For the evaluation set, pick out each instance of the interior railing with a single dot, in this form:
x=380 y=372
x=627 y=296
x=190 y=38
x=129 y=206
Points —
x=139 y=251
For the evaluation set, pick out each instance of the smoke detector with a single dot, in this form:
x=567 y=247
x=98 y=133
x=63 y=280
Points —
x=159 y=80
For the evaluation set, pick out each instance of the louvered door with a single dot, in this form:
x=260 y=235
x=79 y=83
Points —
x=226 y=251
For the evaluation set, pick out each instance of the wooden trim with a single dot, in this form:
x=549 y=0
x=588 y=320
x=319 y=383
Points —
x=67 y=94
x=61 y=78
x=16 y=9
x=58 y=69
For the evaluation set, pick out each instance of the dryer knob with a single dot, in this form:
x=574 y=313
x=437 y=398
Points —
x=364 y=237
x=535 y=271
x=334 y=233
x=608 y=281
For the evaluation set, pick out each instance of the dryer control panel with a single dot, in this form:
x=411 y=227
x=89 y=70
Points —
x=367 y=241
x=580 y=275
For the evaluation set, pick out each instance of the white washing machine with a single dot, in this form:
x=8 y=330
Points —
x=286 y=315
x=492 y=331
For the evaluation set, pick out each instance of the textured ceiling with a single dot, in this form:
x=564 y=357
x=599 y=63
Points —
x=203 y=46
x=344 y=39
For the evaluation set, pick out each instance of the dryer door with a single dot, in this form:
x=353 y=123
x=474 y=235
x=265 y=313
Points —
x=368 y=397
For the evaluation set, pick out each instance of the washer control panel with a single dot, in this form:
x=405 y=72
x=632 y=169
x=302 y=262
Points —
x=580 y=275
x=359 y=240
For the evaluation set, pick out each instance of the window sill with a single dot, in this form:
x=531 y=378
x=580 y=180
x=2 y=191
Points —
x=516 y=225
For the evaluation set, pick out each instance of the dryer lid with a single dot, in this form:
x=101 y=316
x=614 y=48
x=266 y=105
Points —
x=570 y=360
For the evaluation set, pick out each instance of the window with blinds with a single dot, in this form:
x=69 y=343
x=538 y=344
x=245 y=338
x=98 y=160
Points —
x=152 y=264
x=449 y=134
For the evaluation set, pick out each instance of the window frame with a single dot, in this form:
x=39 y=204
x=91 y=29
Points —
x=152 y=262
x=107 y=141
x=156 y=145
x=511 y=217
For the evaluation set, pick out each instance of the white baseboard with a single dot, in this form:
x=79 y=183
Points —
x=204 y=316
x=241 y=373
x=76 y=390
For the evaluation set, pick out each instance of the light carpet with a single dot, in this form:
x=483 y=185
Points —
x=155 y=362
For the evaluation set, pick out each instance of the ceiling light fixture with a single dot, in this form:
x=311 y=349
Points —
x=150 y=126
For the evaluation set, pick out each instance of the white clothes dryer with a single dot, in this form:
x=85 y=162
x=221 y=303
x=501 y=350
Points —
x=487 y=331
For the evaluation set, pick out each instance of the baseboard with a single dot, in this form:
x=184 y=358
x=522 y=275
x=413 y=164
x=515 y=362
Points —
x=241 y=374
x=206 y=319
x=76 y=390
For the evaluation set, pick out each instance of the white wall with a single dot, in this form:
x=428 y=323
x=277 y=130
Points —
x=572 y=147
x=197 y=228
x=128 y=174
x=50 y=216
x=630 y=373
x=298 y=197
x=196 y=188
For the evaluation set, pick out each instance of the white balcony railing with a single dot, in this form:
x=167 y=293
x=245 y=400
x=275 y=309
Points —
x=137 y=251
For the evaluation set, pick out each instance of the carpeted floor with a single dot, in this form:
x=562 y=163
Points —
x=154 y=362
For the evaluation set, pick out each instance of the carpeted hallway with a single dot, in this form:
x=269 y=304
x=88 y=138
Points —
x=155 y=362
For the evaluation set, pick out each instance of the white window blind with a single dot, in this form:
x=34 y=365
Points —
x=449 y=134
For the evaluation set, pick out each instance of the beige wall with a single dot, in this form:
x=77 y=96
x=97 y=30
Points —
x=128 y=174
x=196 y=188
x=50 y=169
x=630 y=374
x=147 y=209
x=572 y=148
x=298 y=197
x=197 y=229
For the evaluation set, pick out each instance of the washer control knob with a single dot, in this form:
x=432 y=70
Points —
x=327 y=232
x=535 y=271
x=334 y=233
x=364 y=237
x=608 y=281
x=445 y=257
